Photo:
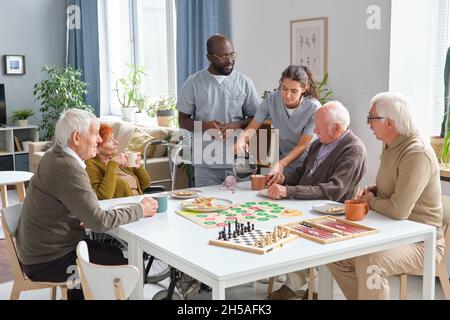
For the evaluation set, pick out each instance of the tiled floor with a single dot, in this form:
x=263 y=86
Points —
x=251 y=291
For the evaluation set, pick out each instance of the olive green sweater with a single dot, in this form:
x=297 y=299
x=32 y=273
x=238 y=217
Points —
x=58 y=199
x=108 y=185
x=408 y=183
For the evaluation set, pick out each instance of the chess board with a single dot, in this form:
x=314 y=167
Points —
x=249 y=242
x=328 y=229
x=248 y=211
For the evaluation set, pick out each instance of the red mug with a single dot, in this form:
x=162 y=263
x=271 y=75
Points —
x=355 y=210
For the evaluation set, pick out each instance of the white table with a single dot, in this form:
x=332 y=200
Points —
x=184 y=245
x=16 y=178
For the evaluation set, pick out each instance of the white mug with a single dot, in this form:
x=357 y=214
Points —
x=132 y=158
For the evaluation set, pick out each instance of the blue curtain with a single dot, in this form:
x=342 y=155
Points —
x=83 y=49
x=197 y=20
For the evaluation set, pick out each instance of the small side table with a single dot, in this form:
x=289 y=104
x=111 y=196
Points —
x=17 y=178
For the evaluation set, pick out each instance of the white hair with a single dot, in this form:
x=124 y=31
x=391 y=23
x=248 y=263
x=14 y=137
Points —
x=395 y=106
x=70 y=121
x=337 y=114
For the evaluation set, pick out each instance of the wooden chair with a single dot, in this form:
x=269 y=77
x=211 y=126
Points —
x=105 y=282
x=10 y=219
x=310 y=284
x=441 y=267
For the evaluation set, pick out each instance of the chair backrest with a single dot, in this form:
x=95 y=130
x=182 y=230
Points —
x=10 y=222
x=104 y=282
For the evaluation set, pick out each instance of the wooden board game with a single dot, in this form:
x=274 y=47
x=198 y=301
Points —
x=252 y=240
x=328 y=229
x=248 y=211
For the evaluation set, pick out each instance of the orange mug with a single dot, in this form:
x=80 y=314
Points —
x=258 y=182
x=355 y=210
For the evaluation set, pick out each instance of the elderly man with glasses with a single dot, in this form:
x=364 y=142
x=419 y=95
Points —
x=407 y=187
x=216 y=100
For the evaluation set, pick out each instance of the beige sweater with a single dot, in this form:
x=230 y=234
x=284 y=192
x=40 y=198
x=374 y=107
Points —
x=408 y=183
x=59 y=198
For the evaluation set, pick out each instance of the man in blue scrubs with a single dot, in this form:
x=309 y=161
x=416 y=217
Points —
x=213 y=103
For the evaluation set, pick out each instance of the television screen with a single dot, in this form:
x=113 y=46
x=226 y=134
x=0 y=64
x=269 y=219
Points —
x=2 y=105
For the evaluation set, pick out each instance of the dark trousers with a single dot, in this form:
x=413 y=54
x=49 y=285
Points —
x=64 y=268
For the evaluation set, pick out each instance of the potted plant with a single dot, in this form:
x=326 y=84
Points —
x=164 y=109
x=129 y=91
x=141 y=103
x=63 y=90
x=21 y=117
x=441 y=144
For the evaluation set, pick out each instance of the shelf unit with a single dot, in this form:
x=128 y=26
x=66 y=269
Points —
x=12 y=158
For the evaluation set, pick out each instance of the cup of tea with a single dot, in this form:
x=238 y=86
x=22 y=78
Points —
x=355 y=210
x=161 y=198
x=132 y=158
x=258 y=182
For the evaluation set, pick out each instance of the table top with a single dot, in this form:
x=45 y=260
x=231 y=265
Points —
x=176 y=236
x=13 y=177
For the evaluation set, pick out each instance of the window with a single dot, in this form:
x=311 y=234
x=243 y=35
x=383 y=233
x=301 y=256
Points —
x=140 y=32
x=439 y=45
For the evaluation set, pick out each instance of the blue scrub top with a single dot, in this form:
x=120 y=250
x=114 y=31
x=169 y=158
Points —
x=290 y=128
x=203 y=97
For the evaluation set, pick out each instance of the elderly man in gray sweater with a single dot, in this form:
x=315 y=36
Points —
x=335 y=165
x=60 y=199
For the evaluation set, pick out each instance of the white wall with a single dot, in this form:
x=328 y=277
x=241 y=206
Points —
x=35 y=29
x=410 y=61
x=358 y=58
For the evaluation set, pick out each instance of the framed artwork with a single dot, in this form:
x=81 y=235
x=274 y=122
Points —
x=309 y=45
x=14 y=64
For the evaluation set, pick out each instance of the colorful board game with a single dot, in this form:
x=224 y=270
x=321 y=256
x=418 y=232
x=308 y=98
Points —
x=328 y=229
x=248 y=211
x=247 y=238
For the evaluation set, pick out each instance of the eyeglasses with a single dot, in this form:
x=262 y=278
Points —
x=224 y=57
x=370 y=118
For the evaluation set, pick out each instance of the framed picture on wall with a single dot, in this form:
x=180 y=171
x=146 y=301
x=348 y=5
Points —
x=14 y=64
x=309 y=45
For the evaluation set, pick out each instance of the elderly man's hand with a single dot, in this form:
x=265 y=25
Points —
x=277 y=178
x=149 y=206
x=366 y=190
x=277 y=192
x=367 y=198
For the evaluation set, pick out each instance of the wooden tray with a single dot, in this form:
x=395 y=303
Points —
x=328 y=229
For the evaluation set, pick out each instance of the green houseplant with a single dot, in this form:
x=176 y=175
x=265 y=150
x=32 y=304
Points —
x=128 y=90
x=141 y=102
x=325 y=94
x=164 y=110
x=441 y=144
x=63 y=90
x=21 y=117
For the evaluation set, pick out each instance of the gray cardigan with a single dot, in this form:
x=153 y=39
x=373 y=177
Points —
x=336 y=178
x=59 y=198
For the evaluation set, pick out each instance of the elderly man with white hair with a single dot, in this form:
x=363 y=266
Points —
x=60 y=198
x=335 y=165
x=407 y=187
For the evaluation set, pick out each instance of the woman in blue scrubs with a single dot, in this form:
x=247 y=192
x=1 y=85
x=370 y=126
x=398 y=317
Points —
x=291 y=108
